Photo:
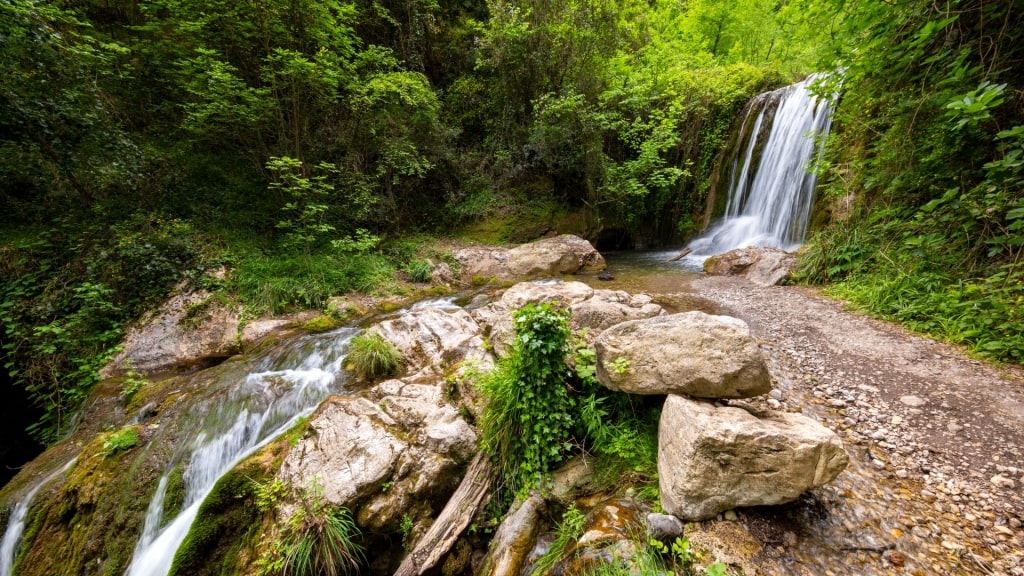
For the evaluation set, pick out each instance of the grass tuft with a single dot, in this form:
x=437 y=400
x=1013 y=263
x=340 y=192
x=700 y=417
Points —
x=371 y=356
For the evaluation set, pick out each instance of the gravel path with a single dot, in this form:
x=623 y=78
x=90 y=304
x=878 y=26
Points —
x=936 y=439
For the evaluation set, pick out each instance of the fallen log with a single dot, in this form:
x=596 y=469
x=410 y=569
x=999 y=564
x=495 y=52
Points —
x=457 y=514
x=684 y=252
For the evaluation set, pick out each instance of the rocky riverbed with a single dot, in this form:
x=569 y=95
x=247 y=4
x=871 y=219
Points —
x=936 y=479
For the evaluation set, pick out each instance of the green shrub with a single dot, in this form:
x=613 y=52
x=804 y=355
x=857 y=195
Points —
x=371 y=356
x=529 y=416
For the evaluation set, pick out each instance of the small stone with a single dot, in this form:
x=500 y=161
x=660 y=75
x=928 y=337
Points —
x=837 y=403
x=774 y=404
x=913 y=401
x=664 y=527
x=878 y=464
x=1000 y=481
x=731 y=516
x=776 y=393
x=896 y=420
x=1004 y=530
x=894 y=557
x=1015 y=523
x=953 y=427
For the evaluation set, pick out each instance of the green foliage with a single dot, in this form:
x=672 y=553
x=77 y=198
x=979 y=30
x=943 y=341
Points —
x=120 y=441
x=321 y=323
x=406 y=529
x=66 y=292
x=419 y=270
x=371 y=356
x=322 y=540
x=132 y=383
x=528 y=419
x=566 y=534
x=927 y=155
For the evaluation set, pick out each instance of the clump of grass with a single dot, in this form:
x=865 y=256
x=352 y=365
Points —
x=419 y=270
x=568 y=532
x=371 y=356
x=322 y=541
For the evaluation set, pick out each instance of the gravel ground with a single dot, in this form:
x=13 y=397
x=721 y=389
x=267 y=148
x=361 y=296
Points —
x=936 y=480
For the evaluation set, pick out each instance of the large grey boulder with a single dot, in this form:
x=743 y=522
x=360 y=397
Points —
x=607 y=308
x=692 y=353
x=712 y=459
x=761 y=265
x=565 y=254
x=402 y=445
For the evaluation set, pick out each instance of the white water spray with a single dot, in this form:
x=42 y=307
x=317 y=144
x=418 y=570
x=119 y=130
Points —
x=771 y=195
x=16 y=524
x=251 y=414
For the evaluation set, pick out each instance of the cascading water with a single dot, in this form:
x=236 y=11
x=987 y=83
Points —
x=16 y=524
x=234 y=423
x=770 y=193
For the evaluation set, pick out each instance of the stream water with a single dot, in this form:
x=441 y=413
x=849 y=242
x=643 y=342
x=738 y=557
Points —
x=282 y=385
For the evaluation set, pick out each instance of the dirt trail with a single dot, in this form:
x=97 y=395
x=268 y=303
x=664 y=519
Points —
x=936 y=482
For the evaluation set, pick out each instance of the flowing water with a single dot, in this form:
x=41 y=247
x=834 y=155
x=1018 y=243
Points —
x=771 y=189
x=16 y=524
x=281 y=386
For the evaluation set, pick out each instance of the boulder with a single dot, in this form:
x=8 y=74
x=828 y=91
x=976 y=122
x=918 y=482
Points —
x=761 y=265
x=607 y=308
x=380 y=455
x=712 y=459
x=593 y=310
x=190 y=330
x=435 y=340
x=565 y=254
x=692 y=353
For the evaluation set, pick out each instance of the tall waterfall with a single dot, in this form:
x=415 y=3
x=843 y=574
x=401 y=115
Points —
x=235 y=423
x=770 y=187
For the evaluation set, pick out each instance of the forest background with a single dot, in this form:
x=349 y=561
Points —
x=313 y=148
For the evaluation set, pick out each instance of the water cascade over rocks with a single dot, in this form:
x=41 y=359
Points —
x=265 y=404
x=770 y=187
x=16 y=523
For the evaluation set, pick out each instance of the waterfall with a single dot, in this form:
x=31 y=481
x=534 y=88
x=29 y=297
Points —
x=771 y=192
x=235 y=423
x=16 y=524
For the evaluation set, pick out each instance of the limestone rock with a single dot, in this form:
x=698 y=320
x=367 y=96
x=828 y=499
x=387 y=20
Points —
x=514 y=538
x=761 y=265
x=594 y=310
x=189 y=330
x=607 y=308
x=715 y=459
x=693 y=353
x=565 y=254
x=433 y=340
x=381 y=455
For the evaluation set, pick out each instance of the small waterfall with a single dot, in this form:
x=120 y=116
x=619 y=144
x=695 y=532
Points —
x=16 y=524
x=770 y=189
x=236 y=422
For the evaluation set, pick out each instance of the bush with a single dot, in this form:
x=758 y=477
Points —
x=371 y=356
x=529 y=416
x=419 y=270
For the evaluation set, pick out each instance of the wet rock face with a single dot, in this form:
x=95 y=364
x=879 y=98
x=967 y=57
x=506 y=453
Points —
x=712 y=459
x=565 y=254
x=514 y=538
x=693 y=353
x=762 y=266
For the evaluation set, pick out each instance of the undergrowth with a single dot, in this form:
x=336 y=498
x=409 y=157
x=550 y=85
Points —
x=540 y=410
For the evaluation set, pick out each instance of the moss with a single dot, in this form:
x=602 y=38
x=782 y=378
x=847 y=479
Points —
x=321 y=323
x=174 y=497
x=228 y=527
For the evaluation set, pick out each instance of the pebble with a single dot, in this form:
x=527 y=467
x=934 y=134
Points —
x=776 y=394
x=913 y=401
x=731 y=516
x=1000 y=481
